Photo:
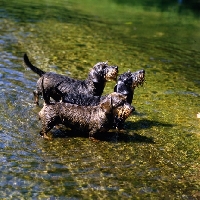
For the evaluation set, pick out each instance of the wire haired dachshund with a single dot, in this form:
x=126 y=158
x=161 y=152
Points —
x=90 y=119
x=128 y=81
x=126 y=84
x=56 y=86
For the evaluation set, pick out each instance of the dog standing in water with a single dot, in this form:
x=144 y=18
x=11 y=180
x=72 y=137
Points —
x=91 y=119
x=56 y=86
x=126 y=84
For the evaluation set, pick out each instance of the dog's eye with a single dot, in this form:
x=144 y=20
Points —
x=135 y=78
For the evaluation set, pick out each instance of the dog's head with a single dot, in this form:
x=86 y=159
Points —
x=124 y=83
x=112 y=101
x=103 y=72
x=128 y=81
x=110 y=73
x=116 y=106
x=138 y=78
x=121 y=113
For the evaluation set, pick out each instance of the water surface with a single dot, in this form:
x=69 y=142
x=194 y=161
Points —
x=157 y=157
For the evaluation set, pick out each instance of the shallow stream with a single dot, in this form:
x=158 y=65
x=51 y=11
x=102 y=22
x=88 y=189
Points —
x=158 y=156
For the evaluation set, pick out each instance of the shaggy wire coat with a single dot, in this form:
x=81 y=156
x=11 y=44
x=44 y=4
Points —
x=91 y=119
x=56 y=86
x=128 y=81
x=126 y=85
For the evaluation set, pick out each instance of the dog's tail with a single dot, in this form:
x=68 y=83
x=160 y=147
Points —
x=33 y=68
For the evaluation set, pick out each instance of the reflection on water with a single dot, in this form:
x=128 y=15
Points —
x=157 y=157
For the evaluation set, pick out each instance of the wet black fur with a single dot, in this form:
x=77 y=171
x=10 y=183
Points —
x=127 y=82
x=55 y=85
x=126 y=85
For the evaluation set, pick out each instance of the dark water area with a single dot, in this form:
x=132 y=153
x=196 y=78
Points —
x=158 y=154
x=182 y=6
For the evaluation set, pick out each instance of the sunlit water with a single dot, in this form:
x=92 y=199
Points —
x=157 y=157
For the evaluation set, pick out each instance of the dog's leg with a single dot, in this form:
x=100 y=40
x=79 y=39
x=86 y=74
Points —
x=44 y=135
x=91 y=134
x=36 y=96
x=49 y=120
x=44 y=132
x=46 y=97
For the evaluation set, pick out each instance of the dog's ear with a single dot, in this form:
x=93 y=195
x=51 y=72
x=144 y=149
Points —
x=97 y=73
x=117 y=99
x=95 y=76
x=106 y=104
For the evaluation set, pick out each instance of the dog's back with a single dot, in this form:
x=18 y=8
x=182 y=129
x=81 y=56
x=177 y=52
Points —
x=79 y=118
x=83 y=118
x=82 y=99
x=57 y=86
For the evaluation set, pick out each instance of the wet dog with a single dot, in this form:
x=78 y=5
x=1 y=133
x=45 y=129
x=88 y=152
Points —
x=91 y=119
x=126 y=84
x=128 y=81
x=55 y=85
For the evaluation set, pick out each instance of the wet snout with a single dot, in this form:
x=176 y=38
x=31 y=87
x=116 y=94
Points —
x=138 y=77
x=128 y=108
x=111 y=73
x=124 y=111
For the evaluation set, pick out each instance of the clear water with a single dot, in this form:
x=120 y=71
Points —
x=158 y=156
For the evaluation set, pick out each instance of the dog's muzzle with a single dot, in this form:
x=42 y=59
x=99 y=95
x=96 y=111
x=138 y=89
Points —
x=138 y=78
x=111 y=73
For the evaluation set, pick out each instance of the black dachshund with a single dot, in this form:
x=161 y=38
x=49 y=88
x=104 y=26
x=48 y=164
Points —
x=126 y=85
x=56 y=86
x=128 y=81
